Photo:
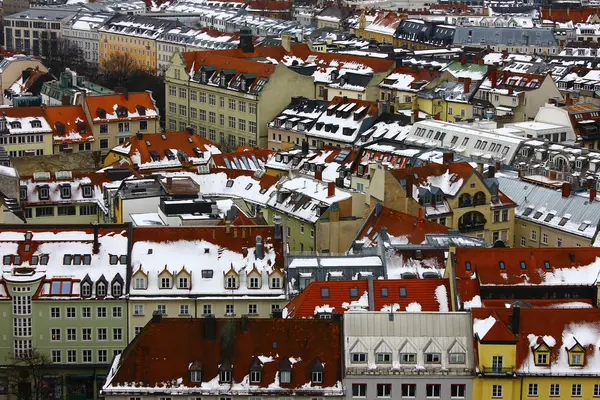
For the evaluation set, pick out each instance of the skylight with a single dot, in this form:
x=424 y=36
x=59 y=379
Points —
x=584 y=226
x=502 y=266
x=548 y=217
x=563 y=221
x=528 y=211
x=537 y=214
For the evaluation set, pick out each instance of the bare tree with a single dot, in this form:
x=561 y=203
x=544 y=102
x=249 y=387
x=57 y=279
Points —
x=66 y=55
x=118 y=67
x=26 y=376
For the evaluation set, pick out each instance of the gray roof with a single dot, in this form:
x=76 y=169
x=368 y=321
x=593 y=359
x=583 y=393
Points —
x=42 y=14
x=473 y=35
x=583 y=216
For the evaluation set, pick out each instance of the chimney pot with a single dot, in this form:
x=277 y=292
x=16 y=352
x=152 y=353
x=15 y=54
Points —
x=593 y=193
x=330 y=189
x=566 y=190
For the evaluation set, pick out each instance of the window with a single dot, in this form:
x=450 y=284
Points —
x=541 y=358
x=576 y=359
x=184 y=309
x=576 y=390
x=408 y=358
x=56 y=356
x=384 y=390
x=101 y=290
x=402 y=292
x=255 y=376
x=544 y=238
x=554 y=389
x=54 y=312
x=102 y=334
x=359 y=357
x=433 y=391
x=117 y=312
x=596 y=389
x=317 y=377
x=559 y=242
x=254 y=283
x=183 y=282
x=162 y=309
x=231 y=282
x=534 y=235
x=252 y=309
x=101 y=312
x=276 y=283
x=229 y=310
x=86 y=356
x=70 y=312
x=86 y=334
x=103 y=128
x=139 y=283
x=207 y=309
x=383 y=358
x=433 y=358
x=457 y=358
x=117 y=334
x=71 y=334
x=102 y=356
x=458 y=391
x=71 y=356
x=138 y=309
x=359 y=390
x=165 y=283
x=86 y=312
x=55 y=334
x=532 y=390
x=409 y=390
x=324 y=293
x=225 y=375
x=497 y=391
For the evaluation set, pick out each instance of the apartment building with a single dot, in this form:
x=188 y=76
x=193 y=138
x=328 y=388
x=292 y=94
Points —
x=240 y=273
x=134 y=36
x=257 y=358
x=68 y=88
x=516 y=40
x=456 y=195
x=82 y=31
x=70 y=128
x=232 y=93
x=397 y=90
x=63 y=197
x=536 y=353
x=62 y=297
x=114 y=118
x=11 y=70
x=35 y=31
x=410 y=355
x=24 y=131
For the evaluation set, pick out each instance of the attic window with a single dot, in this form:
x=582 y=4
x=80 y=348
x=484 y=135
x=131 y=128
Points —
x=523 y=265
x=148 y=143
x=36 y=124
x=537 y=214
x=324 y=293
x=229 y=183
x=575 y=359
x=207 y=273
x=6 y=260
x=468 y=265
x=353 y=292
x=547 y=264
x=563 y=221
x=248 y=186
x=225 y=375
x=67 y=259
x=548 y=217
x=317 y=377
x=528 y=211
x=86 y=191
x=113 y=259
x=502 y=265
x=402 y=292
x=583 y=226
x=44 y=259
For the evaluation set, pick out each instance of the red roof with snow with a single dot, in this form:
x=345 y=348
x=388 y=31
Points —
x=397 y=294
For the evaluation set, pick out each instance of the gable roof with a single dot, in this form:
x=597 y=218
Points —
x=140 y=106
x=450 y=178
x=418 y=295
x=530 y=266
x=69 y=124
x=167 y=150
x=164 y=351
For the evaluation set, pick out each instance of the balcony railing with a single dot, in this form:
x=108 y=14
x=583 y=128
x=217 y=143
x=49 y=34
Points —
x=471 y=227
x=497 y=370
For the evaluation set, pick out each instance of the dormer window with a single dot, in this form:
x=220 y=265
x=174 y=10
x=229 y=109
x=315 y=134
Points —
x=65 y=192
x=254 y=283
x=225 y=374
x=276 y=283
x=139 y=283
x=86 y=289
x=317 y=377
x=117 y=289
x=231 y=282
x=541 y=358
x=86 y=191
x=23 y=192
x=576 y=359
x=184 y=282
x=195 y=372
x=285 y=371
x=36 y=124
x=43 y=193
x=255 y=376
x=101 y=290
x=165 y=283
x=316 y=373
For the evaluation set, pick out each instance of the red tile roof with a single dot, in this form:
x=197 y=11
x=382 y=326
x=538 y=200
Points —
x=271 y=6
x=22 y=112
x=132 y=101
x=385 y=19
x=164 y=350
x=422 y=291
x=398 y=224
x=485 y=264
x=76 y=128
x=160 y=142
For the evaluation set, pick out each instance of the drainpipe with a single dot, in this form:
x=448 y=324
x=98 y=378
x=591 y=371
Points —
x=371 y=293
x=452 y=256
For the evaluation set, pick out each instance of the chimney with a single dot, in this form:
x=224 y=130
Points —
x=436 y=117
x=516 y=316
x=566 y=189
x=491 y=171
x=65 y=101
x=410 y=181
x=593 y=194
x=492 y=75
x=305 y=147
x=286 y=42
x=246 y=40
x=414 y=115
x=277 y=223
x=569 y=101
x=448 y=157
x=467 y=85
x=510 y=90
x=371 y=292
x=330 y=189
x=96 y=247
x=210 y=327
x=258 y=252
x=156 y=316
x=244 y=323
x=319 y=175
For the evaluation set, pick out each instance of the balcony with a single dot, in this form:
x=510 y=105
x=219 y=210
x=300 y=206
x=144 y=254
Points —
x=497 y=371
x=471 y=227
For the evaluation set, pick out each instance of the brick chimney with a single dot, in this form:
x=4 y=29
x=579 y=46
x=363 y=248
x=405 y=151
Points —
x=493 y=75
x=467 y=85
x=593 y=193
x=330 y=189
x=566 y=189
x=448 y=157
x=319 y=175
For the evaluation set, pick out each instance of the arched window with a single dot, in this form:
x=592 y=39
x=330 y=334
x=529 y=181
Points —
x=101 y=290
x=117 y=290
x=479 y=198
x=464 y=200
x=86 y=289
